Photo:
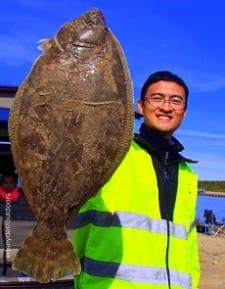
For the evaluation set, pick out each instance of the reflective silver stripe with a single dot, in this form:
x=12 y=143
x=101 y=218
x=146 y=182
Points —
x=138 y=274
x=152 y=225
x=131 y=220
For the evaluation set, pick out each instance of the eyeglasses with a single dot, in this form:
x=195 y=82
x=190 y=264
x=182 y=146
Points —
x=157 y=100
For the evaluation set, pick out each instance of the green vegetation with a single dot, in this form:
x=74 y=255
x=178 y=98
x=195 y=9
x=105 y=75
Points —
x=214 y=186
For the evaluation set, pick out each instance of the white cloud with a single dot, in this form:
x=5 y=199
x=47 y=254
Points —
x=14 y=52
x=208 y=149
x=212 y=85
x=201 y=134
x=211 y=167
x=209 y=84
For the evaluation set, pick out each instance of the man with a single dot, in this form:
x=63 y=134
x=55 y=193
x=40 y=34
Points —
x=138 y=231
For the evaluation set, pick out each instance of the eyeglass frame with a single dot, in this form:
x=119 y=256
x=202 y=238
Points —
x=164 y=100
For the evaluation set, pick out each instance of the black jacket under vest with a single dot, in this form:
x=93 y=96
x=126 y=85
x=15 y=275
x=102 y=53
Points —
x=166 y=158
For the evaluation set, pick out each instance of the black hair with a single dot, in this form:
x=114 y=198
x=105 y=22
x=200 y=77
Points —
x=7 y=174
x=166 y=76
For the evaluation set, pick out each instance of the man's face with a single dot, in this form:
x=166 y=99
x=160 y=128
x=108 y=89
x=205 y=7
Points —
x=163 y=117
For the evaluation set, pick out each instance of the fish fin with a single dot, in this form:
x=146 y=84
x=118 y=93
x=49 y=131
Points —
x=46 y=260
x=45 y=44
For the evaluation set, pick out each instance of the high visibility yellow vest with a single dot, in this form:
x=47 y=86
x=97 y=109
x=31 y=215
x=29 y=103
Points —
x=122 y=240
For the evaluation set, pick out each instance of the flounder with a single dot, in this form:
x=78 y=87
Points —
x=70 y=125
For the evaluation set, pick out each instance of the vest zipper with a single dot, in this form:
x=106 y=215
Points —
x=167 y=221
x=166 y=165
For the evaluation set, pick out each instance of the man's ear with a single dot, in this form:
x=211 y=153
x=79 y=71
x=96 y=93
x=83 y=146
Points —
x=141 y=106
x=185 y=113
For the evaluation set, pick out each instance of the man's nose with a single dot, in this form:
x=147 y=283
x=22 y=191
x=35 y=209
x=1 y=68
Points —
x=166 y=104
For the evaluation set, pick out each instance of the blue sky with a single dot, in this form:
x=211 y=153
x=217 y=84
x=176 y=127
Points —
x=186 y=37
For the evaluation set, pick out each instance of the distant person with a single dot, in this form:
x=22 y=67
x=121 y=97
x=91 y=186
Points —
x=139 y=230
x=210 y=217
x=9 y=191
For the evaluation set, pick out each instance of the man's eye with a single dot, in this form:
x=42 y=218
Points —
x=176 y=100
x=157 y=98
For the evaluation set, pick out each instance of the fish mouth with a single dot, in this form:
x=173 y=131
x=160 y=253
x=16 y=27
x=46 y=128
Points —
x=93 y=17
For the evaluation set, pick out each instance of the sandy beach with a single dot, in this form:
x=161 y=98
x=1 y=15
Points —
x=212 y=259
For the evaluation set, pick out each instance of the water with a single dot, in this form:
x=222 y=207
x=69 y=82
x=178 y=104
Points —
x=217 y=204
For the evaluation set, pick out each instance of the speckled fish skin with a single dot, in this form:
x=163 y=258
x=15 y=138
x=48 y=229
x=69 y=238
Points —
x=70 y=126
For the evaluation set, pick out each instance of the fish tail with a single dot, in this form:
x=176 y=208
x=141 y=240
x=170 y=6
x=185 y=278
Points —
x=46 y=260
